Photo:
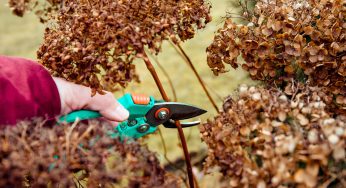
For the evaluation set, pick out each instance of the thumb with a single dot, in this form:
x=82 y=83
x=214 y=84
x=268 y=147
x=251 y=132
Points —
x=115 y=113
x=108 y=107
x=76 y=97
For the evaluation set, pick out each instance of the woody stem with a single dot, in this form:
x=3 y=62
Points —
x=152 y=70
x=188 y=60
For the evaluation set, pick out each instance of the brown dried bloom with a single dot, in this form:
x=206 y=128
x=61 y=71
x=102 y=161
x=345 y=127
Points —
x=32 y=155
x=94 y=42
x=43 y=9
x=268 y=138
x=288 y=39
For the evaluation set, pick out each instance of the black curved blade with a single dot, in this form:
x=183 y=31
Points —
x=171 y=124
x=177 y=111
x=181 y=111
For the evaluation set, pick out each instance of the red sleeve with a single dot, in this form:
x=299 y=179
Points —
x=26 y=90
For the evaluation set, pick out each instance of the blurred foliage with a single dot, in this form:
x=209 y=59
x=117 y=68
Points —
x=36 y=155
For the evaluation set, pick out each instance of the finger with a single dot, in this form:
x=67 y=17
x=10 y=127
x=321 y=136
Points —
x=108 y=107
x=77 y=97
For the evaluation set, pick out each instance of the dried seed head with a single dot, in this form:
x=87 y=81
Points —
x=95 y=42
x=53 y=155
x=270 y=142
x=287 y=40
x=43 y=9
x=333 y=139
x=313 y=136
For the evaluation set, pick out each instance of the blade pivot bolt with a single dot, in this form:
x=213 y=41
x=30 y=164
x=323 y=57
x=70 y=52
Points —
x=143 y=128
x=162 y=114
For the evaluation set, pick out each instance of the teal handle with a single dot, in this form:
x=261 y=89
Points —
x=80 y=114
x=135 y=127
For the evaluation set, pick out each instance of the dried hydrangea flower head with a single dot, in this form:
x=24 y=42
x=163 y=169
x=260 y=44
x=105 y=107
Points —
x=45 y=10
x=38 y=156
x=94 y=42
x=266 y=137
x=269 y=138
x=288 y=39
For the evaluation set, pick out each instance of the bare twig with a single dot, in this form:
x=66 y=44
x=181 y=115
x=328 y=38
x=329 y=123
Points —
x=219 y=97
x=86 y=133
x=165 y=153
x=186 y=154
x=68 y=135
x=168 y=78
x=181 y=51
x=23 y=140
x=326 y=183
x=152 y=70
x=189 y=135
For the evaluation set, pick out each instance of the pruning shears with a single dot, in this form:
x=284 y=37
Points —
x=146 y=114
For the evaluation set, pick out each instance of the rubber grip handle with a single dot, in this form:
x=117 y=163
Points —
x=80 y=114
x=137 y=105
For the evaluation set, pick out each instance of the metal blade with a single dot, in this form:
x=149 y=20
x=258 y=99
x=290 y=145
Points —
x=177 y=111
x=171 y=124
x=181 y=111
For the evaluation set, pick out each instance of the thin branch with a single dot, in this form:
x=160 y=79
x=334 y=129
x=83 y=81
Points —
x=165 y=153
x=215 y=93
x=189 y=135
x=23 y=141
x=168 y=78
x=329 y=181
x=85 y=134
x=188 y=60
x=152 y=70
x=68 y=136
x=196 y=182
x=90 y=5
x=186 y=154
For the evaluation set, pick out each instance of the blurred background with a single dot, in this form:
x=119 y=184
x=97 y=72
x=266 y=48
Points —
x=22 y=37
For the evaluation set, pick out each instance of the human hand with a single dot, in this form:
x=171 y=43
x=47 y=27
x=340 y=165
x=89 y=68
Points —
x=76 y=97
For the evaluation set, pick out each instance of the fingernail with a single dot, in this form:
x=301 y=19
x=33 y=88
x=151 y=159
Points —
x=121 y=112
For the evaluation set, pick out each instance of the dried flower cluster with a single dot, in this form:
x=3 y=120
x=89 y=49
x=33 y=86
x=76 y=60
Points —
x=43 y=9
x=267 y=138
x=32 y=155
x=290 y=138
x=288 y=39
x=94 y=42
